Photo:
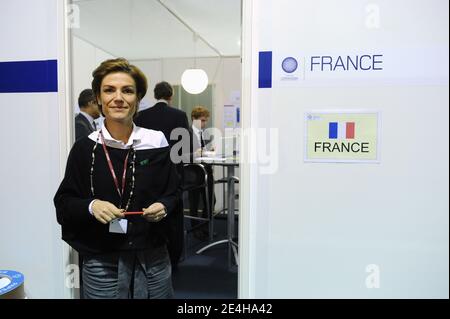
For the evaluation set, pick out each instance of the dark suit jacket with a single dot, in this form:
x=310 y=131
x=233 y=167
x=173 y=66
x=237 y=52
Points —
x=82 y=126
x=162 y=117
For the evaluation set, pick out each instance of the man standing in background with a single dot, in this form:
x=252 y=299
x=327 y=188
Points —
x=89 y=112
x=163 y=117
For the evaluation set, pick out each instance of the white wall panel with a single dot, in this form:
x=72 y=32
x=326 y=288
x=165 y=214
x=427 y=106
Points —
x=30 y=237
x=315 y=227
x=33 y=140
x=27 y=30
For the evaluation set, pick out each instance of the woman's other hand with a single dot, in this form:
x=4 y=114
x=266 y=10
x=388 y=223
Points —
x=155 y=212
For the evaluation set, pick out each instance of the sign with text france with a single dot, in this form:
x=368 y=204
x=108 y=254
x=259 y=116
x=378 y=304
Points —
x=342 y=136
x=356 y=67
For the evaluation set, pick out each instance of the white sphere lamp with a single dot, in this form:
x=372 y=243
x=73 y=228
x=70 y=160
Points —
x=194 y=81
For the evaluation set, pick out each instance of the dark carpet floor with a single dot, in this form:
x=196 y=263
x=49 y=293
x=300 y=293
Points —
x=206 y=276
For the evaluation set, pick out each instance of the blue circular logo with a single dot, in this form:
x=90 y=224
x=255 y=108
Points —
x=15 y=280
x=289 y=65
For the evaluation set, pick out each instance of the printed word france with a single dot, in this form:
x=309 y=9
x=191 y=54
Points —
x=363 y=62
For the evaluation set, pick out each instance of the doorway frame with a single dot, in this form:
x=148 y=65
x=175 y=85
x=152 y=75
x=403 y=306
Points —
x=246 y=273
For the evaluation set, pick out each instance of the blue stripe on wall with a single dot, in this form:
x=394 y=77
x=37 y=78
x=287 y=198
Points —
x=265 y=69
x=333 y=130
x=29 y=76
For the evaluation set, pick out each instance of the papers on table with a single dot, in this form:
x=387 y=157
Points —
x=211 y=159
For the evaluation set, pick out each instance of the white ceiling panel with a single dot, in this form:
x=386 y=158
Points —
x=145 y=29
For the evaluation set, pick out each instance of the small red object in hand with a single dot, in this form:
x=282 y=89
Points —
x=133 y=213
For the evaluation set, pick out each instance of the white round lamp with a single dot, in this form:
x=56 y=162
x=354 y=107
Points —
x=194 y=81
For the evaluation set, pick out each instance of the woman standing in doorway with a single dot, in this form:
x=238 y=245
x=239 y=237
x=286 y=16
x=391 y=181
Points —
x=118 y=187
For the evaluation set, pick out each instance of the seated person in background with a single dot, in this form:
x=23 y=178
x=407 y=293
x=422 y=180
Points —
x=89 y=112
x=200 y=142
x=200 y=117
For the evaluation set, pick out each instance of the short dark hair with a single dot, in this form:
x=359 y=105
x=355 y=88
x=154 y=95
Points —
x=116 y=66
x=163 y=90
x=86 y=96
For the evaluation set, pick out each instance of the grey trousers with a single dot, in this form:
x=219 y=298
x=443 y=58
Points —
x=128 y=274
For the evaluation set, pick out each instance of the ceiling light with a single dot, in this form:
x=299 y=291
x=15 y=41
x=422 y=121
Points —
x=194 y=81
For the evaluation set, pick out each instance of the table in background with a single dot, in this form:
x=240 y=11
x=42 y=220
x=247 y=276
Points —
x=230 y=165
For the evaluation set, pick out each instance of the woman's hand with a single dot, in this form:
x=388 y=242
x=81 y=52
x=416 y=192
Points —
x=105 y=212
x=155 y=212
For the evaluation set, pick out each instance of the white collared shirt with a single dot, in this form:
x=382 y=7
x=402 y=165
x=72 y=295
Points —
x=89 y=118
x=141 y=139
x=197 y=133
x=162 y=101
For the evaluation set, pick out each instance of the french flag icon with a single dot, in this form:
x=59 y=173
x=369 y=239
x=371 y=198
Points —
x=341 y=130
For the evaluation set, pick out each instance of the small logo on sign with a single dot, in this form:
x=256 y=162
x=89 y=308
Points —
x=289 y=65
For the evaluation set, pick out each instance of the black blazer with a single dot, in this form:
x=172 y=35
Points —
x=82 y=126
x=163 y=117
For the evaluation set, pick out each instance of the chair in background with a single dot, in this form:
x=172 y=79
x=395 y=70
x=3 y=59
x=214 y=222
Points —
x=195 y=177
x=224 y=182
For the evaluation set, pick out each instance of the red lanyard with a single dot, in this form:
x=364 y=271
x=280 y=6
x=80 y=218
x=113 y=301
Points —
x=111 y=168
